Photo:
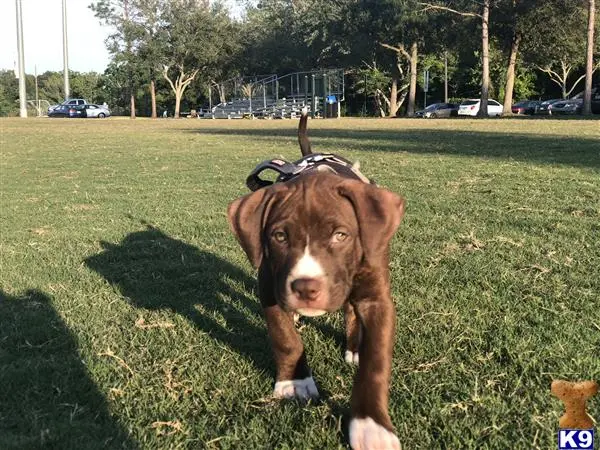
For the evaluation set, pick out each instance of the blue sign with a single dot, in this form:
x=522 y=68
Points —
x=575 y=439
x=331 y=99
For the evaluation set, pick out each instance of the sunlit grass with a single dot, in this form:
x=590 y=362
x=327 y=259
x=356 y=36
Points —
x=129 y=315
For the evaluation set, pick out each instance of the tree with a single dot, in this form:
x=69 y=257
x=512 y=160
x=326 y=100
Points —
x=484 y=15
x=412 y=59
x=404 y=29
x=437 y=64
x=9 y=93
x=559 y=54
x=561 y=76
x=86 y=85
x=510 y=32
x=372 y=82
x=589 y=65
x=124 y=17
x=51 y=86
x=149 y=51
x=196 y=38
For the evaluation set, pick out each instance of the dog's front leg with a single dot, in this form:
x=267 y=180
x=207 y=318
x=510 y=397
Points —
x=371 y=427
x=294 y=378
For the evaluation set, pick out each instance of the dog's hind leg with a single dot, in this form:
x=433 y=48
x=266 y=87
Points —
x=352 y=334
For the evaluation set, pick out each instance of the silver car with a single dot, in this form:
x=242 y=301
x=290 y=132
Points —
x=438 y=110
x=572 y=106
x=99 y=111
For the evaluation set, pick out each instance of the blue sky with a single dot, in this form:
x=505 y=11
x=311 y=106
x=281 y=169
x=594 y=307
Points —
x=42 y=36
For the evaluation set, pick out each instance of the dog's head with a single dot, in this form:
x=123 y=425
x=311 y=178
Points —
x=314 y=234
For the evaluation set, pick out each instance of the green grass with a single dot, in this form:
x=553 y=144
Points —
x=128 y=315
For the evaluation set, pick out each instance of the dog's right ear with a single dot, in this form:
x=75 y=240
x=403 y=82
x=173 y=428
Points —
x=247 y=216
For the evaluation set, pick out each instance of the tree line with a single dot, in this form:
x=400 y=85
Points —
x=170 y=54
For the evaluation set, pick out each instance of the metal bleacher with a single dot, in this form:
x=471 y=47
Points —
x=275 y=97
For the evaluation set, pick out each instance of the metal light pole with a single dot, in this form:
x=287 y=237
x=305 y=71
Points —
x=65 y=49
x=22 y=91
x=425 y=86
x=365 y=100
x=445 y=76
x=37 y=97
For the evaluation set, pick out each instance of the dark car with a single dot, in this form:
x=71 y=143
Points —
x=545 y=107
x=67 y=111
x=438 y=110
x=69 y=102
x=572 y=106
x=525 y=107
x=596 y=101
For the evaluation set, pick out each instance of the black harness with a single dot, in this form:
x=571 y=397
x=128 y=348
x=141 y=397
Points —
x=315 y=162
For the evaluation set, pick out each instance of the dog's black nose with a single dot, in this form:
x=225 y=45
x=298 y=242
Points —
x=307 y=288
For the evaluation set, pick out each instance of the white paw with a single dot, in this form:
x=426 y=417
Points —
x=366 y=434
x=351 y=357
x=303 y=389
x=304 y=111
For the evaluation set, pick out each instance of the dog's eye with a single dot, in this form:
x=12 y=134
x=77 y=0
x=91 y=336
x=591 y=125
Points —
x=340 y=236
x=280 y=236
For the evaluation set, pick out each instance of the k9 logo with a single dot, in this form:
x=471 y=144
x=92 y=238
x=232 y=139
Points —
x=575 y=439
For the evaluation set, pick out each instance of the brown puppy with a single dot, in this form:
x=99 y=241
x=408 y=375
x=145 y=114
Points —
x=320 y=242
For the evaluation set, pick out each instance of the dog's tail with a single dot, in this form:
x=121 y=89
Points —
x=302 y=136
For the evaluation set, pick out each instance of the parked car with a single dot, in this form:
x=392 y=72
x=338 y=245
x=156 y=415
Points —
x=470 y=107
x=595 y=98
x=545 y=107
x=99 y=111
x=572 y=106
x=80 y=111
x=438 y=110
x=525 y=107
x=66 y=111
x=69 y=102
x=596 y=101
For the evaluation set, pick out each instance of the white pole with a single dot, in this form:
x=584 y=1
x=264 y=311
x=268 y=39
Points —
x=37 y=98
x=22 y=91
x=65 y=50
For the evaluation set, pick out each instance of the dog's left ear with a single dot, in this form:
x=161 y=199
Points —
x=379 y=213
x=247 y=216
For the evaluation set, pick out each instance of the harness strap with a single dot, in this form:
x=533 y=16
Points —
x=254 y=182
x=309 y=163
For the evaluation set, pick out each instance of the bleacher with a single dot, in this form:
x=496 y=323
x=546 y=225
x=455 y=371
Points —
x=260 y=108
x=276 y=97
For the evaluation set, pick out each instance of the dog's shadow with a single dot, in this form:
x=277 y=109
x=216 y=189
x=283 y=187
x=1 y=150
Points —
x=157 y=272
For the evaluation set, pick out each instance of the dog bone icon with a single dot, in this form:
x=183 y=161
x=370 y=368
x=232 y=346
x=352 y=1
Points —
x=574 y=396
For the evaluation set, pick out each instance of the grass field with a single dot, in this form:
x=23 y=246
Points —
x=128 y=315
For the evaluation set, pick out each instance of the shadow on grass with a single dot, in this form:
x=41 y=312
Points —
x=539 y=148
x=47 y=399
x=157 y=272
